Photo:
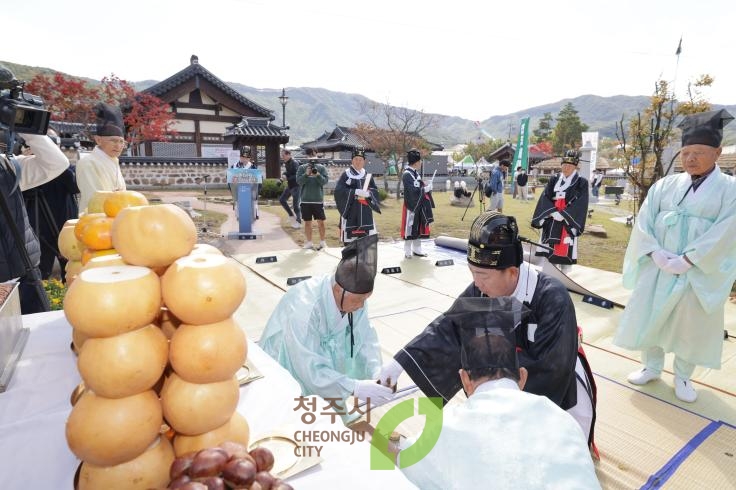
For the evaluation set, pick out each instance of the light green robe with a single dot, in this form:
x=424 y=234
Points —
x=309 y=337
x=682 y=314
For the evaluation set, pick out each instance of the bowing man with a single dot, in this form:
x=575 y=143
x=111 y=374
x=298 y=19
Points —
x=320 y=333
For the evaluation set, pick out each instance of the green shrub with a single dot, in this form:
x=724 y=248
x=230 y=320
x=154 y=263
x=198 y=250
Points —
x=543 y=180
x=382 y=194
x=271 y=189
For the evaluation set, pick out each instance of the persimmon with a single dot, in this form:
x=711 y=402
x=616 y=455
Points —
x=119 y=200
x=84 y=220
x=97 y=234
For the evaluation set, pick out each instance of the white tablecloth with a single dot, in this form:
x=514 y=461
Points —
x=34 y=409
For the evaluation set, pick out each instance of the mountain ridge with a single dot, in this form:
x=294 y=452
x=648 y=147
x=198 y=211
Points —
x=311 y=111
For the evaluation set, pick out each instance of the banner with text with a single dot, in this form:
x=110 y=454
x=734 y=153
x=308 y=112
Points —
x=522 y=146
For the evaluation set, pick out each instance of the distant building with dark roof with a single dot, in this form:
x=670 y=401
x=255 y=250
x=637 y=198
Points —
x=212 y=118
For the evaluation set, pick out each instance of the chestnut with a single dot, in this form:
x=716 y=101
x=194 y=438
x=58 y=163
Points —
x=212 y=482
x=181 y=465
x=208 y=462
x=234 y=449
x=263 y=458
x=239 y=473
x=266 y=480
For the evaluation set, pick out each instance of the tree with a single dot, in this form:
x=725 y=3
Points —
x=391 y=131
x=647 y=136
x=146 y=117
x=566 y=133
x=67 y=98
x=544 y=129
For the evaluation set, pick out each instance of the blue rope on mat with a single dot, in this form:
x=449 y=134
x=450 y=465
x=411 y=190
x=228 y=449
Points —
x=660 y=478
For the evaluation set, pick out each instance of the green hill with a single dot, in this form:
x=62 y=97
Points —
x=311 y=111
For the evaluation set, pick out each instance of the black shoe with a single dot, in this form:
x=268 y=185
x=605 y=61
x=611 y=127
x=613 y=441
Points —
x=419 y=254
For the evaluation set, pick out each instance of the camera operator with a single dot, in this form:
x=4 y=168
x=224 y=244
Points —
x=312 y=177
x=44 y=165
x=291 y=190
x=49 y=206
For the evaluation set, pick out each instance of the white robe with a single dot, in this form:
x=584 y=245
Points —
x=309 y=337
x=505 y=438
x=682 y=314
x=96 y=171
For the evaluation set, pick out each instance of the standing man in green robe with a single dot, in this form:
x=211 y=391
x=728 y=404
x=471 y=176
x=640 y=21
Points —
x=681 y=261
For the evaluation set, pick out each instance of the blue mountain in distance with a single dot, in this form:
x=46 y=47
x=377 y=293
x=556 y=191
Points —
x=312 y=111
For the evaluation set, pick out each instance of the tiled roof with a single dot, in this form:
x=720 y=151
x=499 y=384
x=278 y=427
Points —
x=197 y=70
x=256 y=127
x=73 y=128
x=340 y=138
x=169 y=161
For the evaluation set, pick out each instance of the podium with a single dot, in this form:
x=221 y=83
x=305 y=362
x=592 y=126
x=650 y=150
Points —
x=244 y=186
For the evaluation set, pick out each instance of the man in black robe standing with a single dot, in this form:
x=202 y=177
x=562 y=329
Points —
x=547 y=339
x=356 y=197
x=561 y=212
x=416 y=214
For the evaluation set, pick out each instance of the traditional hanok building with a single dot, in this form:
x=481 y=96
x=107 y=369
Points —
x=337 y=144
x=212 y=118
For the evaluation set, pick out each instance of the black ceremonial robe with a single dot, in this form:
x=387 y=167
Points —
x=416 y=214
x=547 y=339
x=562 y=236
x=356 y=213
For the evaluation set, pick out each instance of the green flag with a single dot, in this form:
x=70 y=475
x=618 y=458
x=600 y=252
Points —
x=522 y=145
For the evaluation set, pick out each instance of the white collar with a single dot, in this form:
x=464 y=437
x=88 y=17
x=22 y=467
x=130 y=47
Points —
x=355 y=174
x=564 y=182
x=101 y=154
x=526 y=284
x=495 y=384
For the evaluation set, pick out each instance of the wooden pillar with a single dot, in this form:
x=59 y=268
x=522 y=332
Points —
x=197 y=138
x=273 y=161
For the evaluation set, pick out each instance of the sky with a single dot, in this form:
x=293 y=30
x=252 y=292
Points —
x=468 y=58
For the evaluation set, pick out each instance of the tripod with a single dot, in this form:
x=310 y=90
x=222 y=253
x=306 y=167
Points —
x=204 y=218
x=481 y=200
x=38 y=207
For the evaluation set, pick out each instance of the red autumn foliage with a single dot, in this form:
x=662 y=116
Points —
x=146 y=117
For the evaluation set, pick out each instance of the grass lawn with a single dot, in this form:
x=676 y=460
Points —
x=601 y=253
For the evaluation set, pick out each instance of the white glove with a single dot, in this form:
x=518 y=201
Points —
x=661 y=257
x=428 y=188
x=368 y=388
x=390 y=373
x=557 y=216
x=677 y=266
x=362 y=193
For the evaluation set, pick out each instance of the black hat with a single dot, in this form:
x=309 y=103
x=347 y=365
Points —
x=109 y=120
x=245 y=151
x=487 y=331
x=505 y=163
x=413 y=156
x=494 y=242
x=571 y=156
x=359 y=151
x=704 y=128
x=356 y=271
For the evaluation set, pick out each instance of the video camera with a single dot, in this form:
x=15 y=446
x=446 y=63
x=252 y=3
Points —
x=311 y=168
x=20 y=112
